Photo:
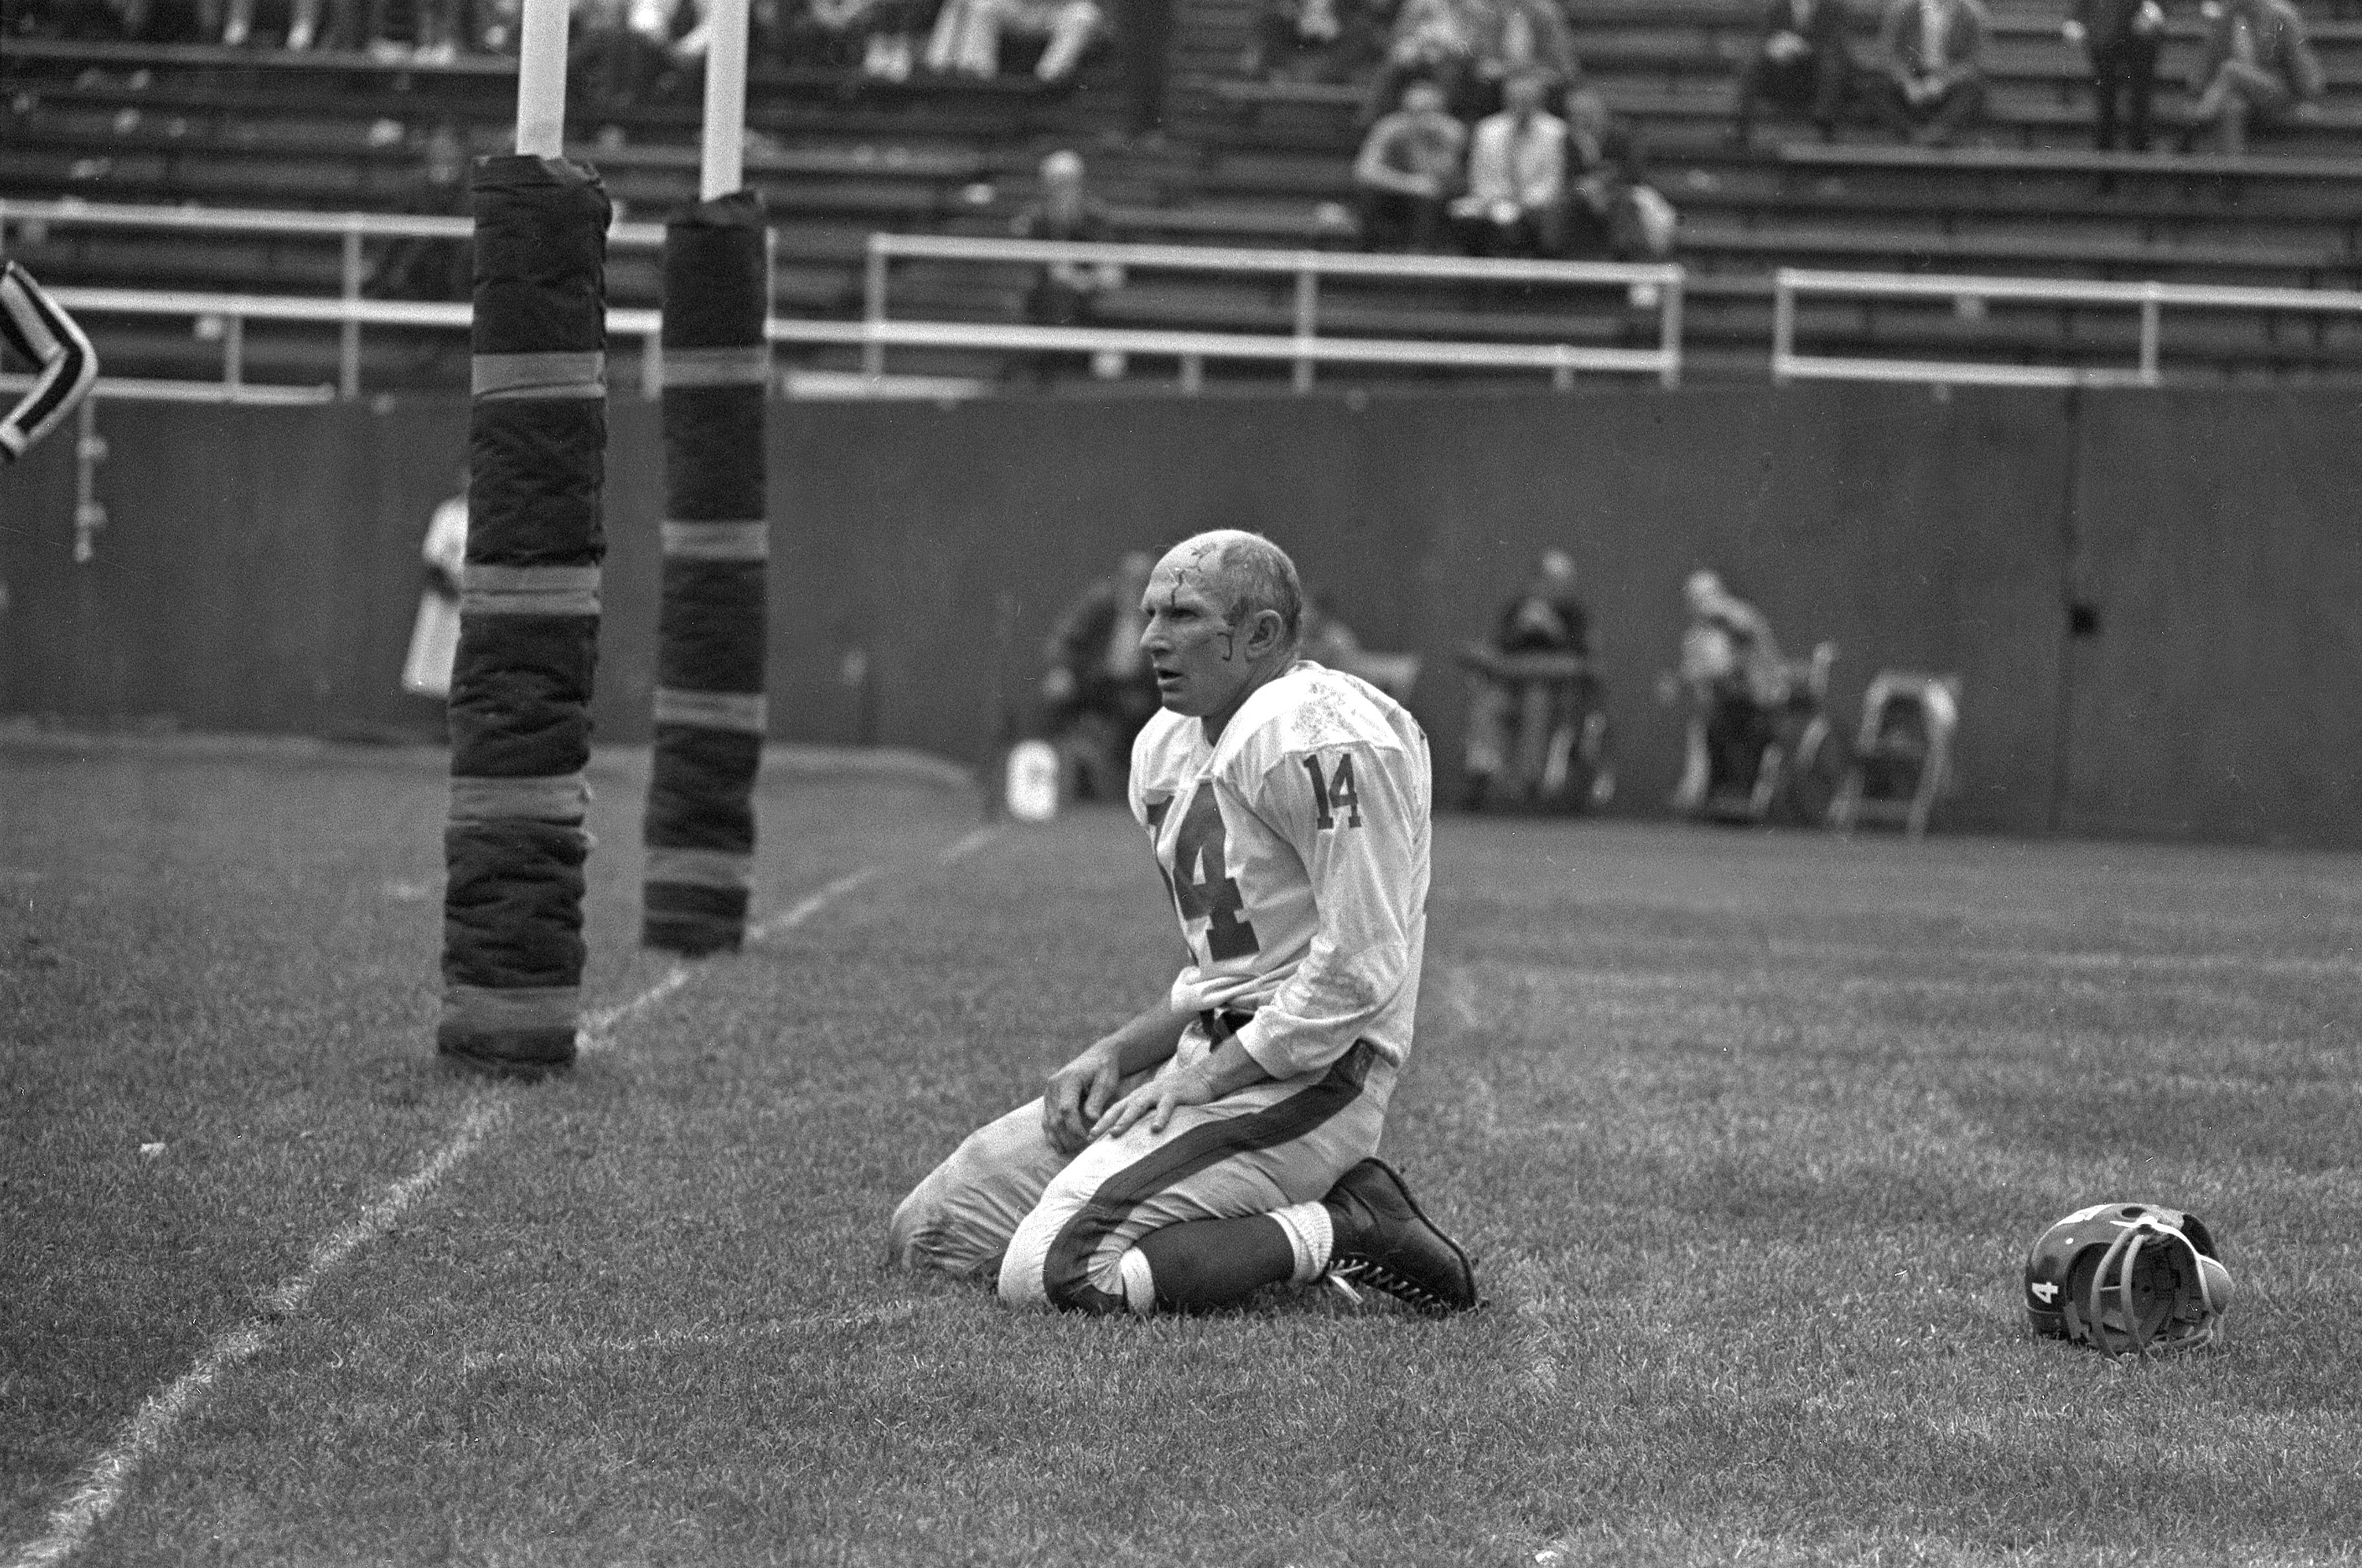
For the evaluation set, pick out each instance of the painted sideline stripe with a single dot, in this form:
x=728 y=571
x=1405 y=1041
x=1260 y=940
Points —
x=968 y=846
x=104 y=1481
x=103 y=1484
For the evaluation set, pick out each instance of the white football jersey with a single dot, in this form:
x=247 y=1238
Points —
x=1295 y=851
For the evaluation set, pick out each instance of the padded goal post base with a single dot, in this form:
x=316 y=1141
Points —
x=711 y=713
x=515 y=843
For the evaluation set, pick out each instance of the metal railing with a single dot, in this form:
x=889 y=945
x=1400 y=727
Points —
x=2150 y=300
x=1304 y=348
x=348 y=229
x=876 y=333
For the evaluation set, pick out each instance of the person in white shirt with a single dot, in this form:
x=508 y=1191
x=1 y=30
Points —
x=1221 y=1139
x=1515 y=202
x=434 y=635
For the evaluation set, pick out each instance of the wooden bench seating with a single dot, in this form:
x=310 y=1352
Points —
x=1271 y=168
x=2049 y=255
x=260 y=84
x=2113 y=167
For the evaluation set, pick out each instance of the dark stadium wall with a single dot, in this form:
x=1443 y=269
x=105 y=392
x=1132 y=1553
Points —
x=259 y=571
x=2220 y=561
x=1909 y=532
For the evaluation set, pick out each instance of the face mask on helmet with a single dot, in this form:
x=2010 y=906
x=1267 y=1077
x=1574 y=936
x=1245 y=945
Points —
x=2127 y=1279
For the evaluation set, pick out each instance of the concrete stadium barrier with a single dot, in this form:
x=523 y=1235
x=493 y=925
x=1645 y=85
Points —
x=920 y=552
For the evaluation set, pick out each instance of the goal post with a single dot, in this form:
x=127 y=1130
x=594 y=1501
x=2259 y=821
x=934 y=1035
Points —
x=516 y=841
x=715 y=369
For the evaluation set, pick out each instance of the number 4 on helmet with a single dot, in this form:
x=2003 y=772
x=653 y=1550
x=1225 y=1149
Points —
x=2127 y=1279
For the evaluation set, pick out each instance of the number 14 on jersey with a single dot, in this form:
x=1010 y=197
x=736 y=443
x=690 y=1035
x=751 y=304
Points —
x=1333 y=793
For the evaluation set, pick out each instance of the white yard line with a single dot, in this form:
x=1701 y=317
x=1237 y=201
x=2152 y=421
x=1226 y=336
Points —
x=968 y=845
x=814 y=904
x=103 y=1483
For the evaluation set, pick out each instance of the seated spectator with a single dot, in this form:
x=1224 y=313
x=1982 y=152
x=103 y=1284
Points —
x=1430 y=39
x=1515 y=201
x=2258 y=67
x=1323 y=638
x=86 y=21
x=438 y=29
x=1614 y=209
x=416 y=267
x=1732 y=676
x=2120 y=39
x=967 y=35
x=1802 y=61
x=1099 y=689
x=496 y=26
x=1513 y=39
x=617 y=53
x=1931 y=84
x=1314 y=40
x=431 y=30
x=878 y=36
x=1409 y=171
x=1065 y=292
x=1546 y=616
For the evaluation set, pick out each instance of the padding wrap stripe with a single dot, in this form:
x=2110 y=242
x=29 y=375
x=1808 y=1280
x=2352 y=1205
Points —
x=747 y=712
x=559 y=374
x=717 y=541
x=685 y=918
x=489 y=1009
x=699 y=867
x=529 y=591
x=563 y=798
x=738 y=365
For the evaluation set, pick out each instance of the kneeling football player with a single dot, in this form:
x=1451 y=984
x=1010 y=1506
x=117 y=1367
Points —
x=1222 y=1140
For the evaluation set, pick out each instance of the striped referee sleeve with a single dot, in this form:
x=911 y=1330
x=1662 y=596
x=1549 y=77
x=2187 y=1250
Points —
x=35 y=326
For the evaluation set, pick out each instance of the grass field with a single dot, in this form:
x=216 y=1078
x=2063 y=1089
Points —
x=1750 y=1131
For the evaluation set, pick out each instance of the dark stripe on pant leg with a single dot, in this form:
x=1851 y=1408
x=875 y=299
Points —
x=1066 y=1267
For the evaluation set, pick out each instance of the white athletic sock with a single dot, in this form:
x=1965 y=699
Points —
x=1309 y=1236
x=1138 y=1282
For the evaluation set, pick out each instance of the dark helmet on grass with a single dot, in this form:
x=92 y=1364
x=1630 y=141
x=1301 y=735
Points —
x=2127 y=1279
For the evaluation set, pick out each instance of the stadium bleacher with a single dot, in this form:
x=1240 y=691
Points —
x=1250 y=164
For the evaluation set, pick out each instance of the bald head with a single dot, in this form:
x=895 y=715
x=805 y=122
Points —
x=1224 y=615
x=1242 y=572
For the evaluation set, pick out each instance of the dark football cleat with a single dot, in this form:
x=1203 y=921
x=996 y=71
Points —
x=1391 y=1245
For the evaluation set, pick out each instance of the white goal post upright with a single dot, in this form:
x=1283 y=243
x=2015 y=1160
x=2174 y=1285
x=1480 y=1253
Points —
x=724 y=163
x=541 y=79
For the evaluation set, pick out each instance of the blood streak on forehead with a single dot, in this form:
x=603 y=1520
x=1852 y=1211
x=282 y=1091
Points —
x=1194 y=570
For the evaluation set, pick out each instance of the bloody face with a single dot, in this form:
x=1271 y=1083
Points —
x=1201 y=668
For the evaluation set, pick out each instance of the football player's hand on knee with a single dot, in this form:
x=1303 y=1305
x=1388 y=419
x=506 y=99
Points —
x=1155 y=1099
x=1078 y=1095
